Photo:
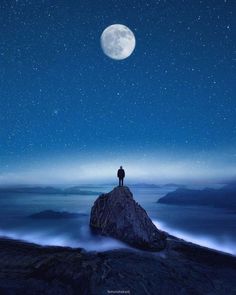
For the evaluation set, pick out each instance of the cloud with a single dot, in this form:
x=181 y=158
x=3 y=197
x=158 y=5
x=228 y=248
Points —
x=157 y=167
x=46 y=238
x=227 y=245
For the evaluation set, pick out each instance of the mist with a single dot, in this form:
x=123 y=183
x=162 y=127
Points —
x=224 y=244
x=157 y=168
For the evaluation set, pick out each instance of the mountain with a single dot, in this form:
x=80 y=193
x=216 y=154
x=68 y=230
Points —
x=30 y=190
x=118 y=215
x=75 y=190
x=173 y=185
x=151 y=185
x=144 y=185
x=178 y=268
x=224 y=197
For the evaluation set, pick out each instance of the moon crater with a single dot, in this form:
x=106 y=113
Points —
x=118 y=41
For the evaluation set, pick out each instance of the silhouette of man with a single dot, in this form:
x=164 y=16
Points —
x=121 y=175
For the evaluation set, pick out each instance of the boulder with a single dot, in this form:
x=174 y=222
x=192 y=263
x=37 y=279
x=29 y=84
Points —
x=118 y=215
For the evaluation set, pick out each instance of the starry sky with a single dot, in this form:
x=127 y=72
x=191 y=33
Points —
x=64 y=103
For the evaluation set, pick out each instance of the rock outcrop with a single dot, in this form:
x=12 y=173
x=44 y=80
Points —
x=117 y=214
x=184 y=268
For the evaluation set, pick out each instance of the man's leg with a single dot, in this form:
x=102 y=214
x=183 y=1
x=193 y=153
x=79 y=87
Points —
x=119 y=182
x=122 y=181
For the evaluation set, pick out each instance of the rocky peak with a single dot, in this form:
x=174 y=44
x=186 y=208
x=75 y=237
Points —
x=118 y=215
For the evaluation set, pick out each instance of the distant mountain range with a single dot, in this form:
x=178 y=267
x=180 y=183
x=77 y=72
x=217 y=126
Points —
x=173 y=185
x=143 y=185
x=75 y=190
x=224 y=197
x=151 y=185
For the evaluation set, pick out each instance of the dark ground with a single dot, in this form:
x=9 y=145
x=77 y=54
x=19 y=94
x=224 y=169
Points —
x=182 y=268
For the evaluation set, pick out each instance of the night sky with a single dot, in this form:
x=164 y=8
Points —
x=62 y=100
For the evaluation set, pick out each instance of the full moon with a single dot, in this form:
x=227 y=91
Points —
x=118 y=41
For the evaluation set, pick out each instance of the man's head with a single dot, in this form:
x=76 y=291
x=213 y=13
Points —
x=121 y=167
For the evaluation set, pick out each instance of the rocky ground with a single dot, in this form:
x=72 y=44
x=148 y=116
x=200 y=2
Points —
x=182 y=268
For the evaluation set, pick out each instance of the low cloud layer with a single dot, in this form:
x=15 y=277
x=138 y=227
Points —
x=159 y=168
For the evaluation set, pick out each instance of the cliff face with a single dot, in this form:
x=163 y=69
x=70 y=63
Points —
x=118 y=215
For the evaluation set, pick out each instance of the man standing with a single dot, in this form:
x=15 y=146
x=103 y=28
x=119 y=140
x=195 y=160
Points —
x=121 y=175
